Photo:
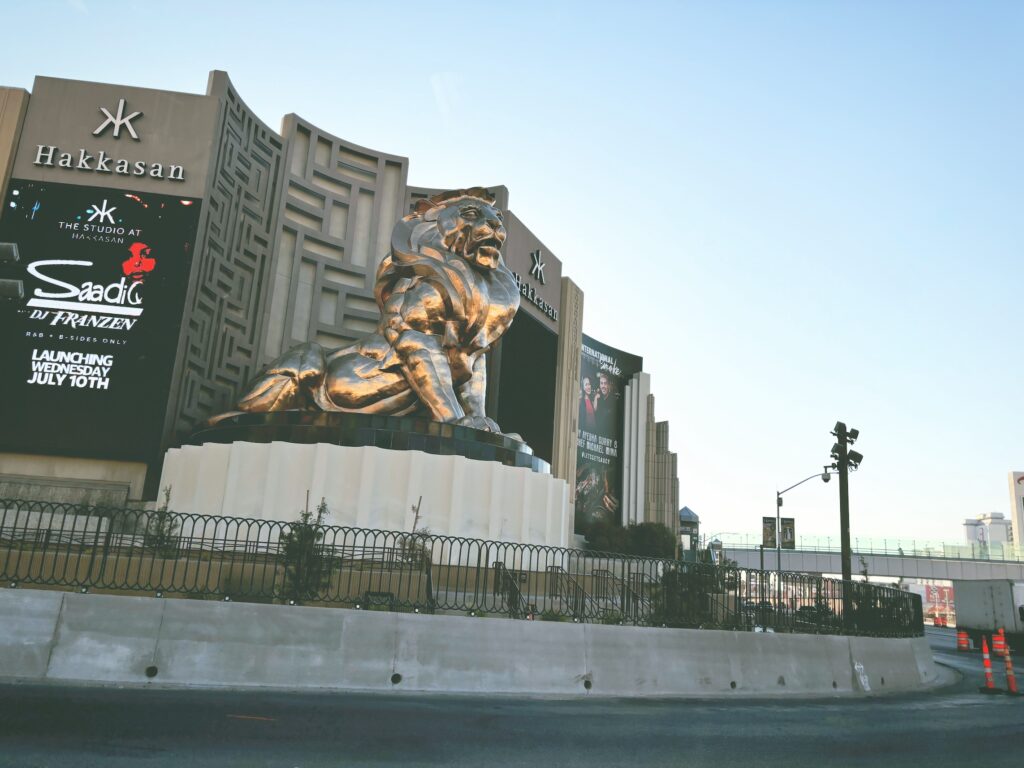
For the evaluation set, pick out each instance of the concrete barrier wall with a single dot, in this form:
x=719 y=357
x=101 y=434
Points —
x=64 y=636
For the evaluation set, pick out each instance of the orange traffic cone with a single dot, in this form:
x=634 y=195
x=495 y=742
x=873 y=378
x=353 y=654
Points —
x=990 y=684
x=1011 y=679
x=999 y=643
x=963 y=643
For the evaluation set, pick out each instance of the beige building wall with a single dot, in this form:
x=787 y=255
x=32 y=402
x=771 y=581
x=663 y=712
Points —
x=662 y=482
x=13 y=105
x=634 y=449
x=650 y=471
x=567 y=383
x=64 y=479
x=173 y=129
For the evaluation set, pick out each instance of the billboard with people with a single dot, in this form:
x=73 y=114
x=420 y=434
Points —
x=604 y=373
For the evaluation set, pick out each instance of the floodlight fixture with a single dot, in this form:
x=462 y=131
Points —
x=12 y=289
x=9 y=253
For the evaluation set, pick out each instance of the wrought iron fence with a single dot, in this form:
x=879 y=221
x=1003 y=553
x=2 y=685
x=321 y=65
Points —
x=209 y=557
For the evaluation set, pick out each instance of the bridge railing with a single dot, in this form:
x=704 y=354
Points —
x=208 y=557
x=1003 y=552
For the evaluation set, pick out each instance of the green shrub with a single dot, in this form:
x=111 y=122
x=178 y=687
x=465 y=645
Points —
x=161 y=532
x=306 y=569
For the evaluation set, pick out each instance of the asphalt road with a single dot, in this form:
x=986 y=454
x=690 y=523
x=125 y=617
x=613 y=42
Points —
x=110 y=727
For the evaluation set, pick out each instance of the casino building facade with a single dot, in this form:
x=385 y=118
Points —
x=247 y=241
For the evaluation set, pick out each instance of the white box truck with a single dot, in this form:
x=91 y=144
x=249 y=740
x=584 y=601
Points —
x=987 y=605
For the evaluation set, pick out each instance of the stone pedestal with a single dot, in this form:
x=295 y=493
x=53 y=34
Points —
x=370 y=487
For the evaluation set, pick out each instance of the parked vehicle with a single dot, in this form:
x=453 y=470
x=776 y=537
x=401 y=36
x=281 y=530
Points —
x=817 y=618
x=985 y=606
x=813 y=613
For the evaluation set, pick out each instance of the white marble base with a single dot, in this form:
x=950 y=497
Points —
x=370 y=488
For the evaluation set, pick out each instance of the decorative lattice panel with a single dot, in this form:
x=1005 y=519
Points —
x=339 y=204
x=232 y=276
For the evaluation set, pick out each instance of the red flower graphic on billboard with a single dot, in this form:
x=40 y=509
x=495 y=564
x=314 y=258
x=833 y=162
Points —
x=139 y=263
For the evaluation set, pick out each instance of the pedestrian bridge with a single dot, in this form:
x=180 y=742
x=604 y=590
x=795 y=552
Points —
x=911 y=564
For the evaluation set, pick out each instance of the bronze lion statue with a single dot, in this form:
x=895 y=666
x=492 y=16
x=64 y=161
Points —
x=445 y=296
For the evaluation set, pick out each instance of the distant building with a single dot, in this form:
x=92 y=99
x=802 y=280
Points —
x=689 y=528
x=651 y=493
x=989 y=528
x=1016 y=505
x=662 y=487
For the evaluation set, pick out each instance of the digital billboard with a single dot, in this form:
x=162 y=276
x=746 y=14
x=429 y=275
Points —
x=526 y=393
x=90 y=346
x=604 y=373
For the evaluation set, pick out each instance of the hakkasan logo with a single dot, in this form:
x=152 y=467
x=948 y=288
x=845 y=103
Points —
x=119 y=123
x=101 y=223
x=116 y=305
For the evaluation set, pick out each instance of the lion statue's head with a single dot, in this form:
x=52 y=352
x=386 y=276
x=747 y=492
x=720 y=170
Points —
x=463 y=222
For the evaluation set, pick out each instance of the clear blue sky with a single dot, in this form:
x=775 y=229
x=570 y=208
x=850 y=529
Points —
x=797 y=212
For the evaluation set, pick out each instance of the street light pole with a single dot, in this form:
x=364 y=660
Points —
x=760 y=587
x=778 y=551
x=824 y=475
x=845 y=461
x=846 y=552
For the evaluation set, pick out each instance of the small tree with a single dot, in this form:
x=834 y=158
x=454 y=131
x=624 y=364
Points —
x=306 y=570
x=652 y=540
x=607 y=537
x=161 y=533
x=414 y=548
x=682 y=596
x=643 y=540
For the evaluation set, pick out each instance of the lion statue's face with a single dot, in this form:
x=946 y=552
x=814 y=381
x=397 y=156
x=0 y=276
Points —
x=473 y=229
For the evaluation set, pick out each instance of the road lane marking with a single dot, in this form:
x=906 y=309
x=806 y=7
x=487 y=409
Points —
x=252 y=717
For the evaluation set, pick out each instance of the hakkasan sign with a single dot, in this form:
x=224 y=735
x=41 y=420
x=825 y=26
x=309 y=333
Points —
x=90 y=348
